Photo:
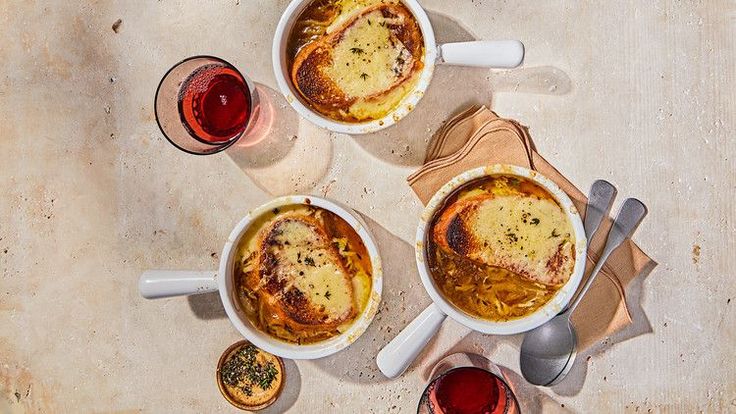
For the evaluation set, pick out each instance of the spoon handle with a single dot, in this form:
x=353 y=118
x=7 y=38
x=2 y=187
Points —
x=631 y=214
x=600 y=199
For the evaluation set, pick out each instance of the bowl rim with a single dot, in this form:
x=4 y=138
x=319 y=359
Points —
x=267 y=342
x=558 y=302
x=410 y=101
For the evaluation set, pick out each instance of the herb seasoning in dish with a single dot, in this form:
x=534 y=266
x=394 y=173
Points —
x=249 y=377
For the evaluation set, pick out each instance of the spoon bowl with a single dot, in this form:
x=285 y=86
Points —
x=568 y=366
x=547 y=350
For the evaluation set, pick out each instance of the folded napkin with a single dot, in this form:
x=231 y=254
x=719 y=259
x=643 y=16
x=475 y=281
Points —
x=478 y=137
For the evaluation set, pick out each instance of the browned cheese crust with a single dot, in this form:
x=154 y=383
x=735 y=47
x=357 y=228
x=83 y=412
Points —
x=322 y=93
x=280 y=300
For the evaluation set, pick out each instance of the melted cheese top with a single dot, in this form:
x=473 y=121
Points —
x=519 y=229
x=308 y=265
x=350 y=7
x=368 y=59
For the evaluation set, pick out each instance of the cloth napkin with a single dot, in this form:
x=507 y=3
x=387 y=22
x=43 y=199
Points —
x=478 y=137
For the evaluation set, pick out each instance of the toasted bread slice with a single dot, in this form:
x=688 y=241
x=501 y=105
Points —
x=300 y=278
x=524 y=234
x=362 y=69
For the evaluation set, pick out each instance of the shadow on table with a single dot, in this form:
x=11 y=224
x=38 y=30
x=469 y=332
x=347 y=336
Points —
x=403 y=298
x=530 y=398
x=454 y=88
x=540 y=80
x=207 y=306
x=291 y=390
x=282 y=153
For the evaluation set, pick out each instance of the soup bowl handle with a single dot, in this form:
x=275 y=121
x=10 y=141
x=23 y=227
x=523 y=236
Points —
x=398 y=354
x=501 y=54
x=155 y=284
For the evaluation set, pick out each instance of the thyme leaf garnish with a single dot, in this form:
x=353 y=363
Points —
x=364 y=76
x=513 y=238
x=243 y=371
x=357 y=50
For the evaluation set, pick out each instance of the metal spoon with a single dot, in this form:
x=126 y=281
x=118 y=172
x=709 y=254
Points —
x=548 y=352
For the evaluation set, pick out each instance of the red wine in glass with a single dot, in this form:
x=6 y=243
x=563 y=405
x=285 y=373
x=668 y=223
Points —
x=467 y=390
x=215 y=103
x=204 y=105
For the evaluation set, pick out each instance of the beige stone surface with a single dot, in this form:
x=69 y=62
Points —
x=640 y=93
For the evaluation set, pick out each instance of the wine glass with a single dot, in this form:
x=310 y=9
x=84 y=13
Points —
x=467 y=383
x=204 y=105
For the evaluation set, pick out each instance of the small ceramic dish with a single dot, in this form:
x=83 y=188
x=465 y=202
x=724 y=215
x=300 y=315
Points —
x=232 y=399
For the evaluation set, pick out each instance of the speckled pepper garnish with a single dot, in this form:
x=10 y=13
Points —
x=243 y=371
